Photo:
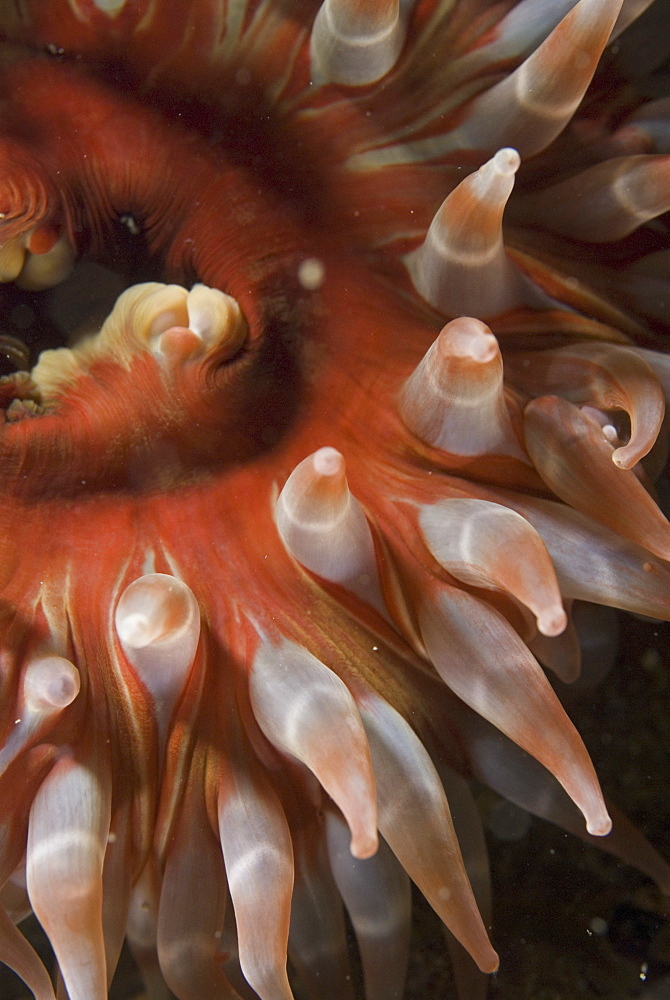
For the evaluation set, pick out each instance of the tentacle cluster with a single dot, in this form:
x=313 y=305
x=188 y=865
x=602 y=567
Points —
x=285 y=552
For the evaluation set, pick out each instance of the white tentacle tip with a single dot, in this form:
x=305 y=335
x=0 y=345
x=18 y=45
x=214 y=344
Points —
x=154 y=609
x=135 y=629
x=467 y=339
x=158 y=623
x=506 y=161
x=625 y=457
x=364 y=844
x=552 y=621
x=51 y=682
x=328 y=462
x=599 y=825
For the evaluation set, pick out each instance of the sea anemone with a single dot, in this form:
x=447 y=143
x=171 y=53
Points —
x=287 y=544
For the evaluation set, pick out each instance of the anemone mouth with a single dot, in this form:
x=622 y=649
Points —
x=76 y=307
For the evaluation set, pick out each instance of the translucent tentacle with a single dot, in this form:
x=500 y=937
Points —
x=317 y=942
x=575 y=459
x=323 y=526
x=519 y=778
x=67 y=837
x=595 y=564
x=532 y=105
x=600 y=375
x=408 y=786
x=605 y=202
x=490 y=668
x=189 y=922
x=376 y=892
x=461 y=267
x=485 y=545
x=257 y=853
x=142 y=930
x=48 y=685
x=20 y=956
x=455 y=399
x=356 y=43
x=158 y=622
x=305 y=710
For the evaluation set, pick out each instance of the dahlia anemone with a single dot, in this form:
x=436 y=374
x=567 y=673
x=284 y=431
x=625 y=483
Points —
x=287 y=543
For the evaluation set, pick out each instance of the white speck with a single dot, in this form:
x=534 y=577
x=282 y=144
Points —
x=110 y=7
x=643 y=971
x=375 y=649
x=111 y=837
x=650 y=659
x=598 y=926
x=311 y=273
x=131 y=223
x=16 y=722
